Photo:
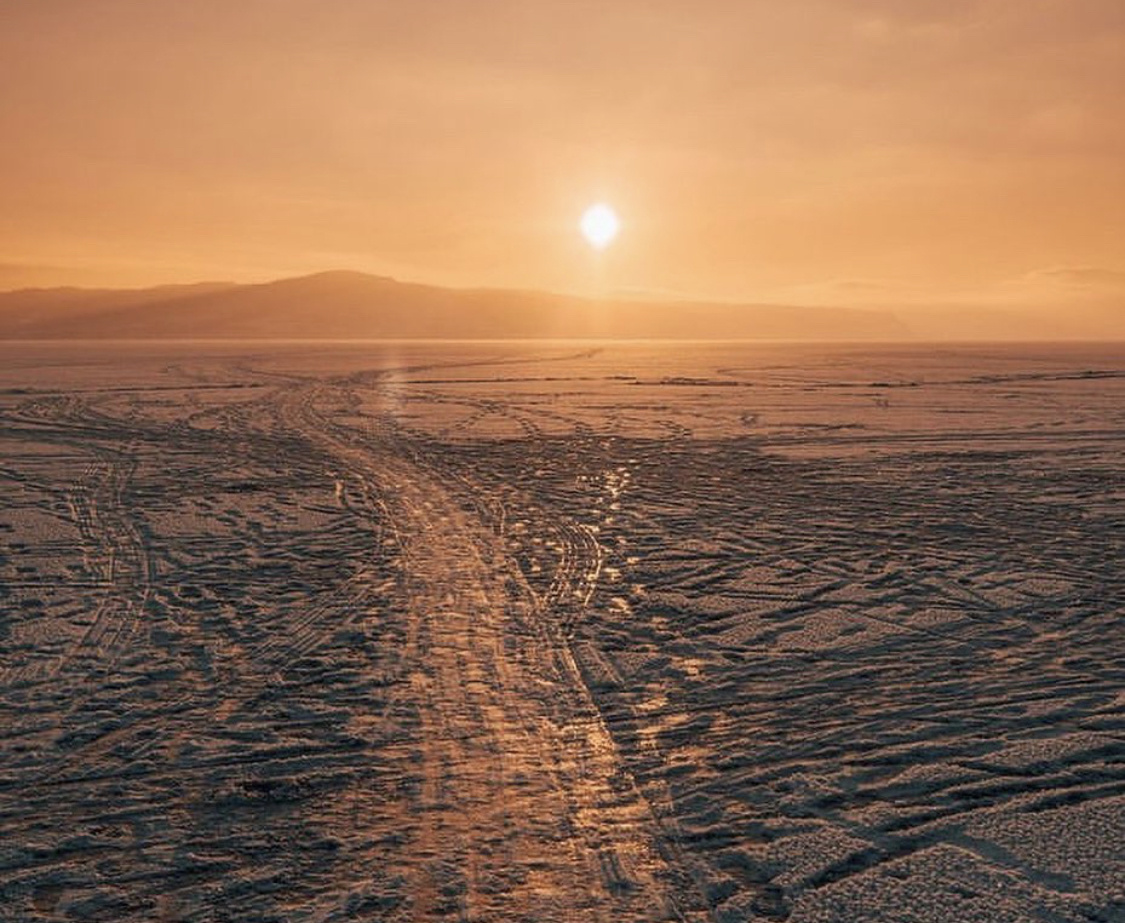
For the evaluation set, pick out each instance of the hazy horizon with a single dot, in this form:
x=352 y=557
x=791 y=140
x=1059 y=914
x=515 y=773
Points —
x=348 y=304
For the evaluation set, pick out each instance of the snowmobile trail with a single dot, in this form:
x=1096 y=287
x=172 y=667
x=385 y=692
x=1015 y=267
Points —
x=525 y=810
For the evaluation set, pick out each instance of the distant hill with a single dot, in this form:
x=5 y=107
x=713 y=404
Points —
x=32 y=312
x=351 y=305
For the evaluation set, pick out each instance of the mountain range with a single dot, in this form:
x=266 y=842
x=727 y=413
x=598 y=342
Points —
x=352 y=305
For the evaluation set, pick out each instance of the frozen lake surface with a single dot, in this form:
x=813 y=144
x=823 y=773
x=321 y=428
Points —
x=562 y=632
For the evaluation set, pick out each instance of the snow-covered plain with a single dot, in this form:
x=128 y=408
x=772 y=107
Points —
x=562 y=632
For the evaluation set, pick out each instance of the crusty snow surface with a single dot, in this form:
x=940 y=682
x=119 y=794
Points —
x=562 y=632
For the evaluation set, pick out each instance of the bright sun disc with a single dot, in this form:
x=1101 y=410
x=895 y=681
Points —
x=600 y=225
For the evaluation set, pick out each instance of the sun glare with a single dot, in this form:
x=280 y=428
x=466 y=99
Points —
x=600 y=225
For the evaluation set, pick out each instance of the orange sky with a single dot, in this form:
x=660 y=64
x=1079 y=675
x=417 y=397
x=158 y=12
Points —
x=851 y=151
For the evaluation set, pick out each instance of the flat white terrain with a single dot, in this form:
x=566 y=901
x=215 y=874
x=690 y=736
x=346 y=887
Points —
x=550 y=632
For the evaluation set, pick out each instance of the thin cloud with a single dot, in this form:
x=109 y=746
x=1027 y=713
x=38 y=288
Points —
x=1085 y=277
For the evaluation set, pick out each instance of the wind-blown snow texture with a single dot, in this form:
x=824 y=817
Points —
x=561 y=633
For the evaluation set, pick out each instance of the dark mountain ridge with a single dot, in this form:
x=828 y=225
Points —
x=352 y=305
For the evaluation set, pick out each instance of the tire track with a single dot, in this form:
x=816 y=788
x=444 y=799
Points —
x=507 y=722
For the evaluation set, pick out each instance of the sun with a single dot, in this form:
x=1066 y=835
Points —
x=599 y=225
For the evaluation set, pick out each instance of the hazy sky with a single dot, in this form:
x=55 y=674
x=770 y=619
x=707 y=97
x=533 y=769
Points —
x=845 y=150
